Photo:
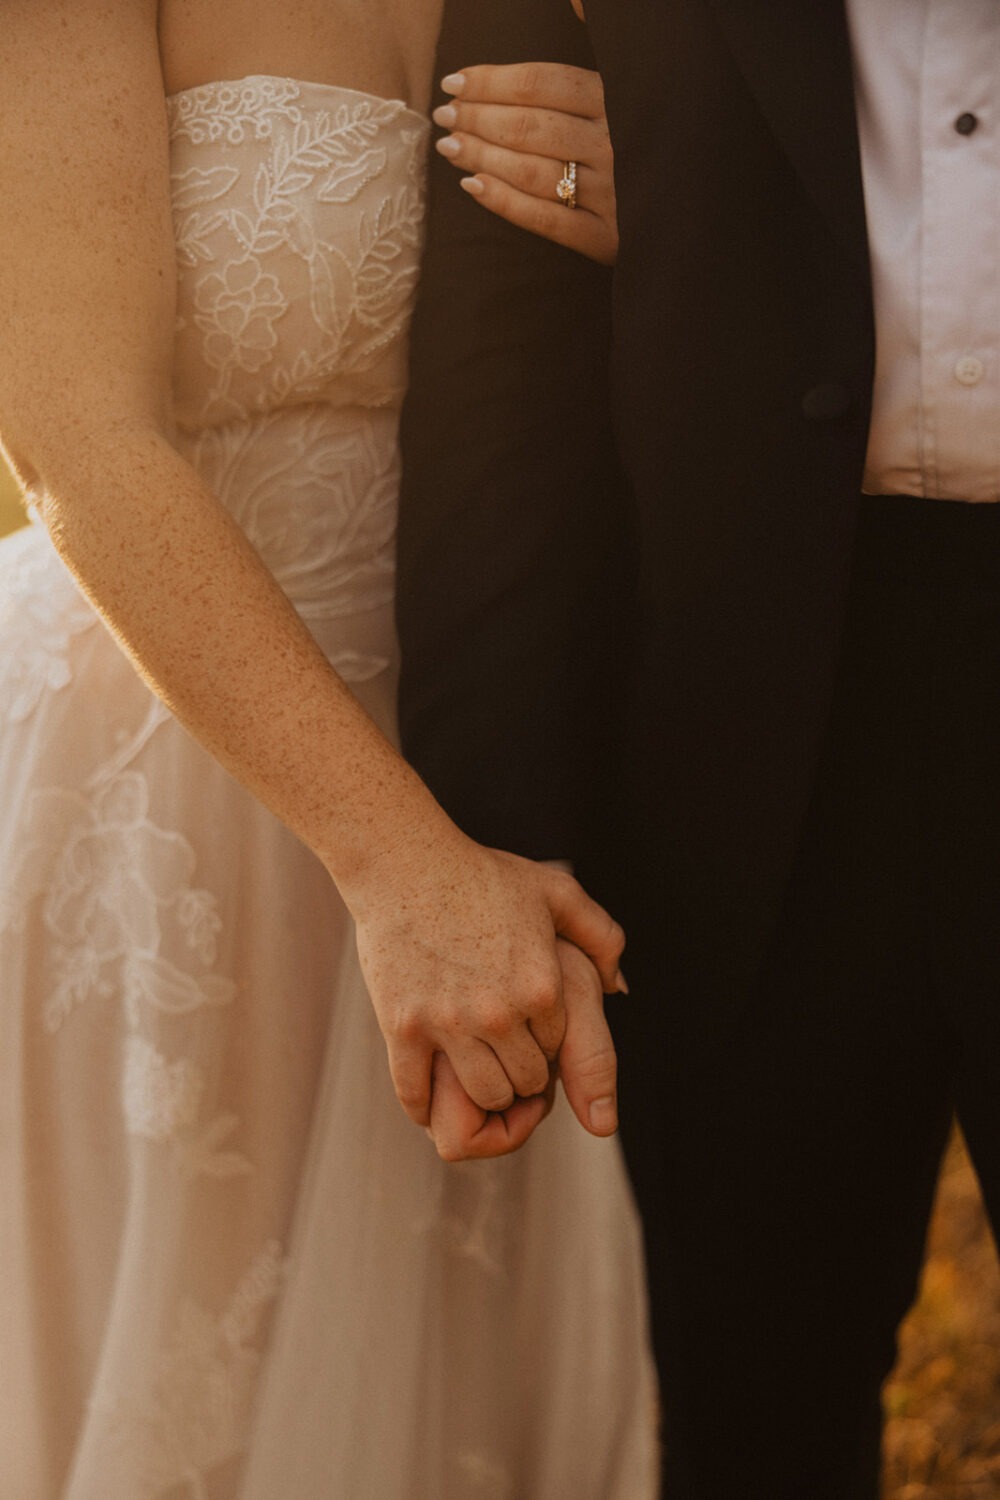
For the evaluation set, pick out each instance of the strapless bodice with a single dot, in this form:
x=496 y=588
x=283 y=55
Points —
x=298 y=211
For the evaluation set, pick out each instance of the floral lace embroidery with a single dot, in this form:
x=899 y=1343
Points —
x=316 y=494
x=108 y=879
x=159 y=1097
x=280 y=290
x=110 y=882
x=41 y=614
x=198 y=1414
x=232 y=112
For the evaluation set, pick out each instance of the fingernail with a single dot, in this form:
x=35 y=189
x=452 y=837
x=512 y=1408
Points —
x=621 y=984
x=604 y=1116
x=472 y=185
x=449 y=145
x=447 y=115
x=454 y=83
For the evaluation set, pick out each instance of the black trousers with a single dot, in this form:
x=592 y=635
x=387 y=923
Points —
x=786 y=1182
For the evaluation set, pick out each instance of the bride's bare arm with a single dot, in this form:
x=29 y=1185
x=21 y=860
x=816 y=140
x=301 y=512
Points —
x=457 y=941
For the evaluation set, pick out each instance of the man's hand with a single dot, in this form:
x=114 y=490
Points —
x=587 y=1065
x=462 y=1131
x=458 y=947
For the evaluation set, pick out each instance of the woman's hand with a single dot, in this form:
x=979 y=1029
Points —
x=516 y=130
x=458 y=947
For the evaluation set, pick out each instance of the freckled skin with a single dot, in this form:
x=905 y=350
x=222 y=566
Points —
x=457 y=942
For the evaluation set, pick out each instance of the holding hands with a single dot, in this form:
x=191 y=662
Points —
x=533 y=138
x=476 y=998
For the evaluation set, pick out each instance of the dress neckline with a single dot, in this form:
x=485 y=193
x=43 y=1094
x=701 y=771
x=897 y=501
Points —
x=301 y=83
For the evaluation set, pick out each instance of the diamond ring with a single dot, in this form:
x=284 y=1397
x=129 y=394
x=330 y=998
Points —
x=566 y=187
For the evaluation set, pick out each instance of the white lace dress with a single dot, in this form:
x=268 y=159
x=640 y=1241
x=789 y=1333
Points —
x=230 y=1269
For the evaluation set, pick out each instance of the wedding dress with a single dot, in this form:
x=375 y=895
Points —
x=230 y=1268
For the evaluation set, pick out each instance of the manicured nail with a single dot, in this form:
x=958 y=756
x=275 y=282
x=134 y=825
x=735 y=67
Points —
x=472 y=185
x=604 y=1116
x=454 y=83
x=446 y=115
x=449 y=145
x=621 y=984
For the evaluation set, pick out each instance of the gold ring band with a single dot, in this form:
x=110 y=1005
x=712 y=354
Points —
x=566 y=187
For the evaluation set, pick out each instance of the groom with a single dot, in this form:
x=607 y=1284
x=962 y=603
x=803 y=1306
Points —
x=759 y=710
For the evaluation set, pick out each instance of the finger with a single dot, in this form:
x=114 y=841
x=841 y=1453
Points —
x=584 y=922
x=462 y=1132
x=523 y=1061
x=410 y=1068
x=536 y=132
x=537 y=175
x=549 y=1028
x=573 y=91
x=587 y=1063
x=582 y=231
x=480 y=1073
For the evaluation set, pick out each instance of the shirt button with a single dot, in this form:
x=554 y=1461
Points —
x=966 y=124
x=969 y=370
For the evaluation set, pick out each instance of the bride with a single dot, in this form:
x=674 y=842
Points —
x=229 y=1265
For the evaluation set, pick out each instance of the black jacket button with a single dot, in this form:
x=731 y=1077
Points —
x=825 y=402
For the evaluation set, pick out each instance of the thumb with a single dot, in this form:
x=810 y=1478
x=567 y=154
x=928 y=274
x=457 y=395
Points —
x=587 y=1062
x=584 y=923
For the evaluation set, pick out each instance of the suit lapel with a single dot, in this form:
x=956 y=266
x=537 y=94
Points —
x=796 y=58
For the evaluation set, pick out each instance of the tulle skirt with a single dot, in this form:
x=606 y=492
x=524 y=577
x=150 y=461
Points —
x=230 y=1268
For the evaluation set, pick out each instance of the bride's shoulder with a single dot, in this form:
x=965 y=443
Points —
x=86 y=254
x=74 y=71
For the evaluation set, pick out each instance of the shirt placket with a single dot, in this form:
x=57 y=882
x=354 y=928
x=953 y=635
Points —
x=960 y=246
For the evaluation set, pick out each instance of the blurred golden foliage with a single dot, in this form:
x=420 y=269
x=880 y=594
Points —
x=942 y=1439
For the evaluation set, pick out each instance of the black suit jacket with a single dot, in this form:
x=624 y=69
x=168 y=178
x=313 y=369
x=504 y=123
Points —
x=742 y=368
x=511 y=554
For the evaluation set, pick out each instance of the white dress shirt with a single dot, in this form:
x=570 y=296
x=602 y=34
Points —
x=927 y=78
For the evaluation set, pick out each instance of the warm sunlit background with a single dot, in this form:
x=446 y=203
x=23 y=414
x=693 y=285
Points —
x=943 y=1403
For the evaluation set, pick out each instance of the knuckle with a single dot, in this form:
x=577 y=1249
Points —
x=545 y=997
x=495 y=1017
x=526 y=83
x=523 y=129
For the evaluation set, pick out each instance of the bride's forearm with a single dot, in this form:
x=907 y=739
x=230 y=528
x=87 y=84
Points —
x=457 y=943
x=214 y=636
